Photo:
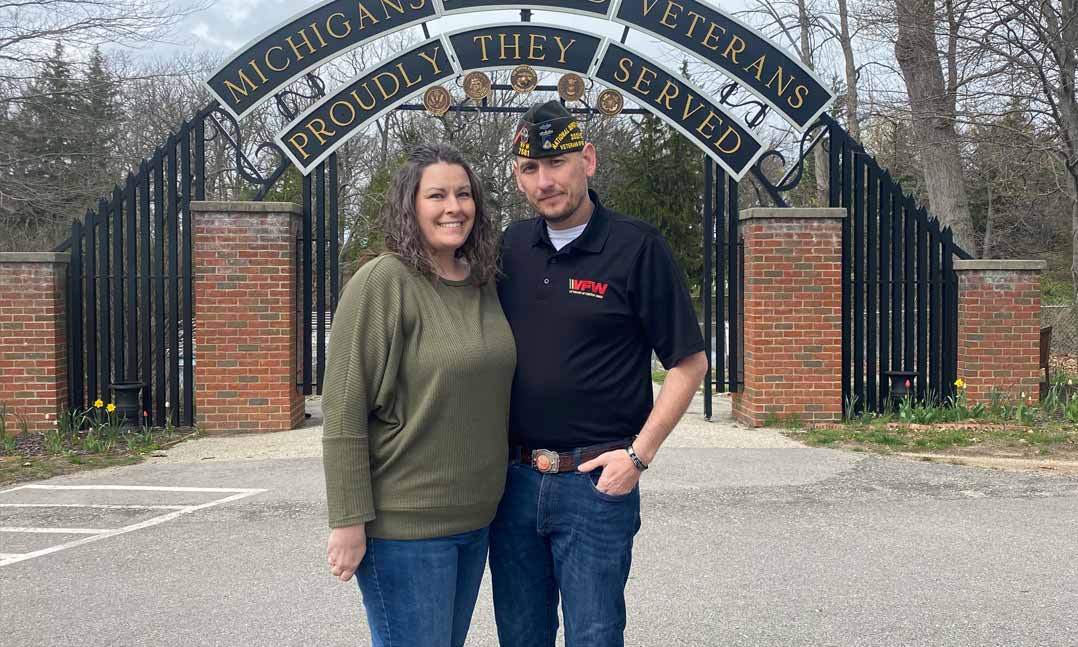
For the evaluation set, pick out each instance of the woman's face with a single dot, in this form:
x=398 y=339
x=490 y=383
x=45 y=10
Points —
x=444 y=207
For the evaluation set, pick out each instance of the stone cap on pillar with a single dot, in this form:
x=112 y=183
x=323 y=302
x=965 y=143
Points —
x=1000 y=265
x=800 y=213
x=245 y=206
x=35 y=257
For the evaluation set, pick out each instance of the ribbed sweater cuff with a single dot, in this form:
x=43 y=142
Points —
x=346 y=460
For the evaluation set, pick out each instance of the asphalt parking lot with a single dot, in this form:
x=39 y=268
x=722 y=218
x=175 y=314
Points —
x=747 y=539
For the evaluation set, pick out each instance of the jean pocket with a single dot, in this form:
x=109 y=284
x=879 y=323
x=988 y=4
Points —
x=592 y=478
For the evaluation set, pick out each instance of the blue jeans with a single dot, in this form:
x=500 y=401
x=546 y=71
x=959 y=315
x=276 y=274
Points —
x=422 y=591
x=558 y=534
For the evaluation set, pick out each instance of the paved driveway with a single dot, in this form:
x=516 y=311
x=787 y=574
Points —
x=748 y=539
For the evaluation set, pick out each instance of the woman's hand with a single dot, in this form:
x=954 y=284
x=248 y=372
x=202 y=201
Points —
x=345 y=550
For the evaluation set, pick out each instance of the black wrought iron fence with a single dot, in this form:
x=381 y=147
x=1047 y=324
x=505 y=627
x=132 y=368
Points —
x=130 y=284
x=900 y=290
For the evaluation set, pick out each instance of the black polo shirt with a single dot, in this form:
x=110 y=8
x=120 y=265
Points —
x=586 y=319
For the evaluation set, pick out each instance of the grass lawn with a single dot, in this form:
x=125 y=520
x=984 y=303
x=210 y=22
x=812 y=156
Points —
x=1002 y=429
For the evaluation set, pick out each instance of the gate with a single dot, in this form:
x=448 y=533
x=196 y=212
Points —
x=129 y=296
x=899 y=287
x=130 y=282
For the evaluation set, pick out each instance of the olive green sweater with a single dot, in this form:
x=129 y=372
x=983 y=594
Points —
x=416 y=403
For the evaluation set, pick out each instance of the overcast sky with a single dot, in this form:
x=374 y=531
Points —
x=228 y=25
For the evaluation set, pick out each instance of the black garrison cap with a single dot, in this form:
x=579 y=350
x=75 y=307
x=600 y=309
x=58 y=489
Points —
x=546 y=130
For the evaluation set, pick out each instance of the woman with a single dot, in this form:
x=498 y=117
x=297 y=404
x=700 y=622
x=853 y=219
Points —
x=415 y=399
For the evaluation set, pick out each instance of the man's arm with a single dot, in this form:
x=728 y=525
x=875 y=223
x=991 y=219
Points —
x=619 y=473
x=676 y=393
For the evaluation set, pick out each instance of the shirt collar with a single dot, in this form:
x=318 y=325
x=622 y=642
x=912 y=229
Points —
x=594 y=236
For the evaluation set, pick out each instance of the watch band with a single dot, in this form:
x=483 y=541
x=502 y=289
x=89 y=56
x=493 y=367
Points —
x=640 y=465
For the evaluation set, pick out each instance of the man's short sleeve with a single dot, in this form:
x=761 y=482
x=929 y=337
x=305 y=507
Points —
x=661 y=300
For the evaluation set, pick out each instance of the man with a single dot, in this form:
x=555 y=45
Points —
x=589 y=294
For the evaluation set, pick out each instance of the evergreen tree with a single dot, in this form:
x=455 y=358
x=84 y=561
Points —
x=660 y=180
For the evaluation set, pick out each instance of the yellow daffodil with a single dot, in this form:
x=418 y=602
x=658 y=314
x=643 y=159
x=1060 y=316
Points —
x=111 y=407
x=98 y=404
x=960 y=383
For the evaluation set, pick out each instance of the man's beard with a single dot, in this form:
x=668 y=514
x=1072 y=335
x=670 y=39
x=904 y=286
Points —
x=562 y=216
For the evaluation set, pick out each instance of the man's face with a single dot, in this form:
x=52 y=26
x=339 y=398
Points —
x=556 y=187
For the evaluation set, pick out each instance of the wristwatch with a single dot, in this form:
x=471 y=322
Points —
x=640 y=465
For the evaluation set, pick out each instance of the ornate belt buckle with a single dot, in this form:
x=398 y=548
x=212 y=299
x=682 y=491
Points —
x=545 y=461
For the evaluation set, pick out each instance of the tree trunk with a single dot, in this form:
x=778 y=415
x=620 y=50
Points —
x=1064 y=29
x=933 y=110
x=986 y=247
x=1074 y=231
x=820 y=159
x=853 y=122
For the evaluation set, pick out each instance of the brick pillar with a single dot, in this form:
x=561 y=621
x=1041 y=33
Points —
x=33 y=343
x=792 y=323
x=245 y=306
x=999 y=308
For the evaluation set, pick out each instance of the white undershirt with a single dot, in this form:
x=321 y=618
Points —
x=561 y=237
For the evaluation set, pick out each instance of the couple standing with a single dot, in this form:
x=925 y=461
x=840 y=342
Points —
x=430 y=345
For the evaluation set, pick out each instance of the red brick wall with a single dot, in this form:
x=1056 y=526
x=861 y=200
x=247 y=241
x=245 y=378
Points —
x=999 y=305
x=33 y=347
x=245 y=305
x=792 y=322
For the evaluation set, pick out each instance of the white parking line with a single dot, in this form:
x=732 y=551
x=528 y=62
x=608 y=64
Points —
x=9 y=558
x=143 y=488
x=57 y=531
x=98 y=506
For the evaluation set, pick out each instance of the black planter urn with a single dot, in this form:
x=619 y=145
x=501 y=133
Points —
x=899 y=381
x=127 y=398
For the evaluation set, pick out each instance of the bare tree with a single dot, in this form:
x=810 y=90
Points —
x=1036 y=43
x=797 y=23
x=933 y=100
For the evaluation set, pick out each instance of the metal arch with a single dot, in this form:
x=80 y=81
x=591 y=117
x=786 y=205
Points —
x=792 y=176
x=233 y=135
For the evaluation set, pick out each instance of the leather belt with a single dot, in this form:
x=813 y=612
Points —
x=550 y=462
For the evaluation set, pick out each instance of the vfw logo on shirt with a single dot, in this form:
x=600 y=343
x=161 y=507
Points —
x=587 y=287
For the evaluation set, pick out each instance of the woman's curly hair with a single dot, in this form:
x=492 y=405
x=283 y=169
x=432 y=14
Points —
x=398 y=216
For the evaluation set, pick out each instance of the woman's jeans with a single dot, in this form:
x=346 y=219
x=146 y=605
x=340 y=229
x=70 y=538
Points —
x=422 y=592
x=557 y=535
